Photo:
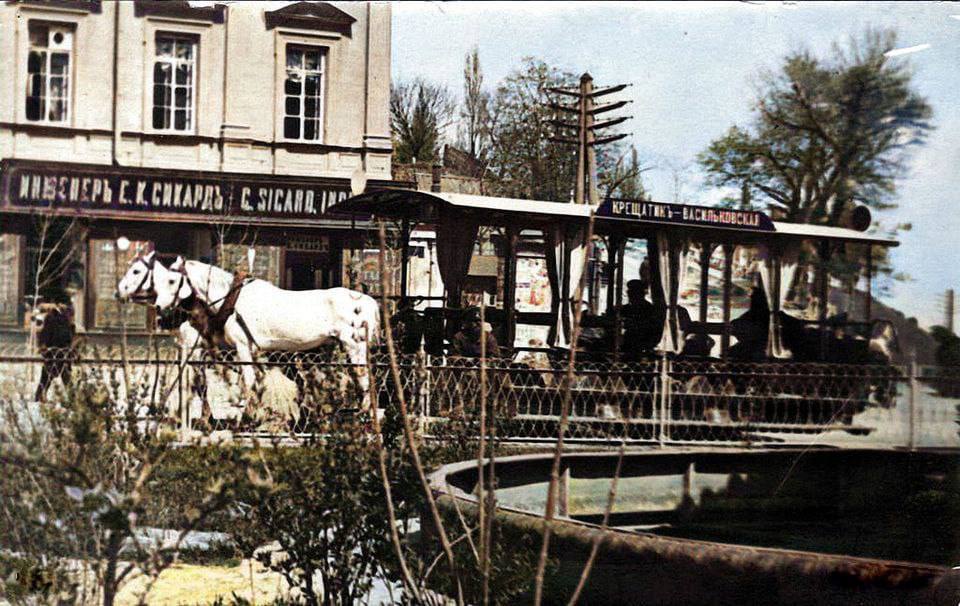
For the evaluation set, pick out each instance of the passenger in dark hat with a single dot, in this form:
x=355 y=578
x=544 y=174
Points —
x=642 y=320
x=466 y=342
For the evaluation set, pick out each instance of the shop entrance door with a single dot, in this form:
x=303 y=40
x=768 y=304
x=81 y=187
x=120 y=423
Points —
x=307 y=271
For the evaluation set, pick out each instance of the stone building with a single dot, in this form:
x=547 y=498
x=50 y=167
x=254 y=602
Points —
x=195 y=130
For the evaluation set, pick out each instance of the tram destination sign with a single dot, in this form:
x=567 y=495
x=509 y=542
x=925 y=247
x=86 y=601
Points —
x=684 y=214
x=105 y=190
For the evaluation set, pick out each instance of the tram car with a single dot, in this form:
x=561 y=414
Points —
x=743 y=360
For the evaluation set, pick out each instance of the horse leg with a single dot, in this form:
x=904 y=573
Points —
x=357 y=353
x=45 y=379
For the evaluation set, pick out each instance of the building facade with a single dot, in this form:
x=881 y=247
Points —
x=201 y=131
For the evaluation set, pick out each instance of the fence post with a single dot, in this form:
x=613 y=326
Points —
x=425 y=393
x=912 y=403
x=184 y=410
x=664 y=397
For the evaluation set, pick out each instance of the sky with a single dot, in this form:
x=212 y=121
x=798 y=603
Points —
x=693 y=69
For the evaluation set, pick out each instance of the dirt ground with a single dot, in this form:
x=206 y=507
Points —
x=187 y=584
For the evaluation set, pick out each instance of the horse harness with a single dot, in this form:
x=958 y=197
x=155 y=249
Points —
x=212 y=324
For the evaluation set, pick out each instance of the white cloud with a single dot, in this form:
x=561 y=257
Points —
x=906 y=50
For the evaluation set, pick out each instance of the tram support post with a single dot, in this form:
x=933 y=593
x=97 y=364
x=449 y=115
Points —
x=868 y=303
x=620 y=249
x=707 y=248
x=727 y=292
x=510 y=286
x=404 y=256
x=823 y=287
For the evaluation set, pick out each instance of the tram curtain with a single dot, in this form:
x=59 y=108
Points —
x=566 y=252
x=672 y=268
x=456 y=236
x=776 y=272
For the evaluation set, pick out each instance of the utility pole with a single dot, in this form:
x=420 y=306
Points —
x=586 y=128
x=948 y=310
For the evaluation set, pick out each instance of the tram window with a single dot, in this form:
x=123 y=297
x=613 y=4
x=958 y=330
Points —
x=690 y=291
x=745 y=277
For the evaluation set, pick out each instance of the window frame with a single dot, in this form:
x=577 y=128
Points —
x=155 y=58
x=324 y=53
x=69 y=75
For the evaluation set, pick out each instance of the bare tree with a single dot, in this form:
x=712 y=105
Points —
x=475 y=113
x=420 y=112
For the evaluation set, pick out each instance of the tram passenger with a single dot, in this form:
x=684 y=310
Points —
x=751 y=328
x=466 y=342
x=407 y=327
x=642 y=321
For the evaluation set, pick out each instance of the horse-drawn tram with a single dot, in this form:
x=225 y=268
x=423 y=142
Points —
x=763 y=354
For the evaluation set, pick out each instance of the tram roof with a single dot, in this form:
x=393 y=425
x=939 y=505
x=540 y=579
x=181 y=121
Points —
x=624 y=216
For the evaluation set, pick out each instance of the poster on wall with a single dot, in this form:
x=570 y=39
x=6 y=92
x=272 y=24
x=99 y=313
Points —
x=9 y=277
x=533 y=285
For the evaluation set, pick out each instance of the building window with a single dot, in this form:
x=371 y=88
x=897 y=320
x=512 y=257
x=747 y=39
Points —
x=266 y=260
x=174 y=82
x=303 y=93
x=48 y=73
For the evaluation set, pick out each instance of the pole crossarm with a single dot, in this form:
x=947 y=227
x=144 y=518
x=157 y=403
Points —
x=562 y=124
x=610 y=89
x=600 y=109
x=610 y=139
x=564 y=91
x=564 y=108
x=614 y=122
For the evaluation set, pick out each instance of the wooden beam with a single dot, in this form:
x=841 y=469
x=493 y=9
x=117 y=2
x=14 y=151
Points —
x=404 y=256
x=706 y=249
x=823 y=292
x=728 y=250
x=510 y=287
x=868 y=304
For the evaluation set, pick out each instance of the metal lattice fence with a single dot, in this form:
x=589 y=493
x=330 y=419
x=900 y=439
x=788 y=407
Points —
x=659 y=401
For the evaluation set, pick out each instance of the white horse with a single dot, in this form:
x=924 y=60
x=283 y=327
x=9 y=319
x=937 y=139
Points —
x=137 y=285
x=269 y=318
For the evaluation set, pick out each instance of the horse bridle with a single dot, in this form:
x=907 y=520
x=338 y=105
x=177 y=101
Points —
x=176 y=295
x=148 y=275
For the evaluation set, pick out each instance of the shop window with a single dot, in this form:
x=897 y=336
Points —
x=48 y=73
x=10 y=247
x=174 y=82
x=108 y=264
x=266 y=261
x=303 y=93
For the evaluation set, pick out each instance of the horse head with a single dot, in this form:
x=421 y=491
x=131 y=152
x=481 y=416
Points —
x=137 y=284
x=174 y=287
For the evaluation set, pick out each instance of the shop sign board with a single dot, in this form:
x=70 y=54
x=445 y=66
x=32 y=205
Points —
x=111 y=191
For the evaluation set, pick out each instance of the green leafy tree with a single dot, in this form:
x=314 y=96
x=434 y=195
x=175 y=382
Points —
x=827 y=135
x=524 y=162
x=419 y=113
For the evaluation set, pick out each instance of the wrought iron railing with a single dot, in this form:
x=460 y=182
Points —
x=661 y=401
